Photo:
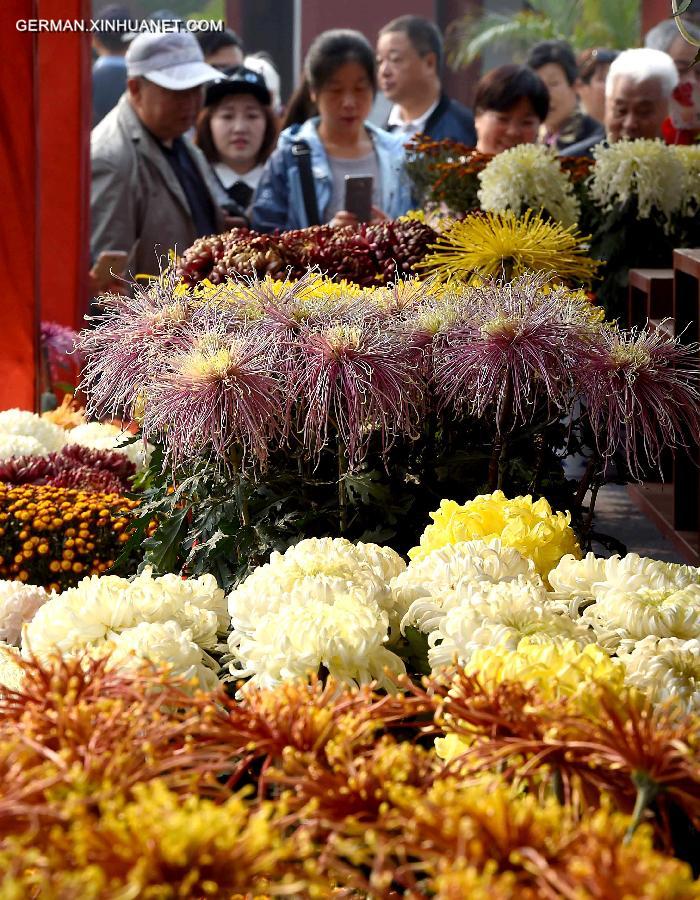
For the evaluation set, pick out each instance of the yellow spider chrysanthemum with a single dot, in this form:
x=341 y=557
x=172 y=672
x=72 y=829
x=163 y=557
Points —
x=504 y=245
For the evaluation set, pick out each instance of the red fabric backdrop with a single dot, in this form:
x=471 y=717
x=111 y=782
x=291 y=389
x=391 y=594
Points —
x=44 y=165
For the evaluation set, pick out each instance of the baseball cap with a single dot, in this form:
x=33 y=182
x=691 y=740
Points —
x=239 y=80
x=173 y=61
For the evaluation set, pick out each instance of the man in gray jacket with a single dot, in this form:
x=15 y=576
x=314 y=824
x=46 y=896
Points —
x=151 y=188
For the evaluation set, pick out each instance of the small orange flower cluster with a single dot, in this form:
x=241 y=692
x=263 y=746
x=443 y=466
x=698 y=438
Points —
x=56 y=536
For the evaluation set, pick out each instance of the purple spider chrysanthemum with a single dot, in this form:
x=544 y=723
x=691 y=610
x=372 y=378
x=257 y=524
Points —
x=511 y=345
x=58 y=342
x=129 y=341
x=357 y=379
x=642 y=392
x=217 y=393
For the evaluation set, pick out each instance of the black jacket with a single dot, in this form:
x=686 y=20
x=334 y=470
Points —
x=450 y=120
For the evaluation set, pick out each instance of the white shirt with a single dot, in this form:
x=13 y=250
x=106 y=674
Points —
x=227 y=176
x=401 y=126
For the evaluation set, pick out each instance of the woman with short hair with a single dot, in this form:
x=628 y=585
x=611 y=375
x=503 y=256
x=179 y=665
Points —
x=510 y=105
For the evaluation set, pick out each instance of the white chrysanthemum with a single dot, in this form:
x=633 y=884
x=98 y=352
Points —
x=22 y=424
x=18 y=604
x=11 y=672
x=82 y=616
x=621 y=617
x=643 y=169
x=689 y=157
x=528 y=177
x=441 y=572
x=594 y=576
x=267 y=588
x=12 y=445
x=323 y=621
x=162 y=643
x=666 y=669
x=102 y=436
x=486 y=615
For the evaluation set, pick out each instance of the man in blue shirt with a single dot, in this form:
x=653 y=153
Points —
x=409 y=62
x=109 y=69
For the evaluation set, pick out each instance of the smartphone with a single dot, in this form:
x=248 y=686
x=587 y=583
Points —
x=110 y=264
x=358 y=196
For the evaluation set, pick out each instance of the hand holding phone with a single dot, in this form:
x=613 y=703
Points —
x=358 y=196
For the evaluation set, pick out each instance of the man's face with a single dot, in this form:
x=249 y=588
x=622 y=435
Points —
x=166 y=114
x=400 y=68
x=682 y=53
x=634 y=110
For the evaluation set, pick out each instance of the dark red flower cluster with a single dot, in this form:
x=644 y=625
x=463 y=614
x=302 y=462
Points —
x=74 y=466
x=368 y=255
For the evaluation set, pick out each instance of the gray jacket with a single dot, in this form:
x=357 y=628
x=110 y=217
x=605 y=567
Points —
x=136 y=202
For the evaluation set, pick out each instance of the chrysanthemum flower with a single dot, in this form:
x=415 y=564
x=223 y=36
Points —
x=514 y=345
x=452 y=566
x=18 y=423
x=666 y=669
x=484 y=614
x=129 y=341
x=689 y=157
x=531 y=527
x=217 y=393
x=593 y=576
x=355 y=378
x=505 y=245
x=642 y=393
x=58 y=342
x=528 y=177
x=627 y=616
x=646 y=170
x=18 y=604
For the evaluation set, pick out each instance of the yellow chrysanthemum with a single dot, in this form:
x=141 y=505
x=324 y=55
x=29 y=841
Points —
x=505 y=245
x=531 y=527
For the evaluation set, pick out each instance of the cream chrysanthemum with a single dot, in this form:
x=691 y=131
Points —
x=368 y=566
x=643 y=169
x=163 y=644
x=447 y=570
x=594 y=576
x=102 y=436
x=321 y=621
x=621 y=617
x=11 y=672
x=689 y=157
x=666 y=669
x=22 y=424
x=531 y=527
x=528 y=177
x=487 y=615
x=18 y=604
x=88 y=617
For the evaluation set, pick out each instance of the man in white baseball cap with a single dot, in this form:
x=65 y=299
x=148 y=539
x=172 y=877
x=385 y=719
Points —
x=151 y=188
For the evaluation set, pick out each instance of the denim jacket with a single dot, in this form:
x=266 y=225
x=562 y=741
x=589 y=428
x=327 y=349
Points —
x=278 y=200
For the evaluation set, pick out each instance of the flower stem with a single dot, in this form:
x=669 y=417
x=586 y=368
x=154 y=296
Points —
x=497 y=461
x=241 y=495
x=342 y=491
x=647 y=789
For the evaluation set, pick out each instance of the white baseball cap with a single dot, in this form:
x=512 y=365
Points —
x=174 y=61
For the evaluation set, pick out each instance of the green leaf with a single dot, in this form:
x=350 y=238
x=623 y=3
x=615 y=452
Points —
x=163 y=548
x=418 y=650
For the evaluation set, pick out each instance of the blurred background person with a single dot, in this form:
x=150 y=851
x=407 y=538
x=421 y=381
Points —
x=566 y=124
x=683 y=123
x=410 y=57
x=340 y=71
x=109 y=69
x=637 y=94
x=593 y=66
x=263 y=65
x=237 y=131
x=221 y=49
x=510 y=105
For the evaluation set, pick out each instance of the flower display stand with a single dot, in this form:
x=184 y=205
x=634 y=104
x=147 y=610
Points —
x=674 y=507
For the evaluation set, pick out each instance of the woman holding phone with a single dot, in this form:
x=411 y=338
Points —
x=336 y=158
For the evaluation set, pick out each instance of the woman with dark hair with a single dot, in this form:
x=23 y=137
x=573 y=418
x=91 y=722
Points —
x=566 y=124
x=510 y=105
x=236 y=131
x=304 y=181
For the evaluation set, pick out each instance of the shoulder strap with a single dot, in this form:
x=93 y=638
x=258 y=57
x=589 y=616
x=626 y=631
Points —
x=302 y=153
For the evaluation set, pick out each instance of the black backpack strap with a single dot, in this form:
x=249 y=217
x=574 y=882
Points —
x=302 y=153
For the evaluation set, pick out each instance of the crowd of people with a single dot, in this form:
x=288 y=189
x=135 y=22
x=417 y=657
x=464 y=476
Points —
x=191 y=138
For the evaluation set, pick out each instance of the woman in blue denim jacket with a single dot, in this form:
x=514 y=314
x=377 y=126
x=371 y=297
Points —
x=340 y=71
